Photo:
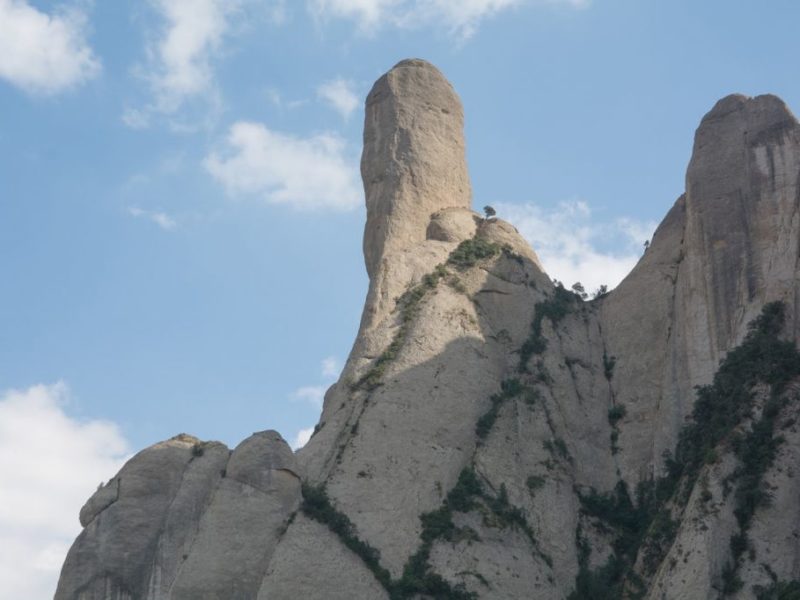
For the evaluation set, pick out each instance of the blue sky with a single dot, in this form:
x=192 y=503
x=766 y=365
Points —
x=181 y=213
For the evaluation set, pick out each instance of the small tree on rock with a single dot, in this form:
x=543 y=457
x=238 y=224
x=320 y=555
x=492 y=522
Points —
x=578 y=289
x=601 y=291
x=489 y=211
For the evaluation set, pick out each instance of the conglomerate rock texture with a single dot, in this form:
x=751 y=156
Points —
x=485 y=414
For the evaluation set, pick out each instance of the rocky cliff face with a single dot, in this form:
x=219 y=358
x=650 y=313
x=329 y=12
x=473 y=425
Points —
x=495 y=436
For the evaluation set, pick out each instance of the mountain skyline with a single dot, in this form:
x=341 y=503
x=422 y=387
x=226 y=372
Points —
x=166 y=251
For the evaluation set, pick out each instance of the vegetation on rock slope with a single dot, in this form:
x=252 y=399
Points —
x=722 y=412
x=644 y=528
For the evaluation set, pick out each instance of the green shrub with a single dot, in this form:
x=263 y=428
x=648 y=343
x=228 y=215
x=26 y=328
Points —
x=469 y=252
x=557 y=447
x=779 y=590
x=730 y=580
x=603 y=583
x=608 y=365
x=487 y=419
x=508 y=252
x=718 y=411
x=509 y=388
x=616 y=413
x=438 y=524
x=417 y=576
x=317 y=505
x=535 y=482
x=507 y=515
x=532 y=395
x=467 y=494
x=409 y=305
x=467 y=488
x=554 y=308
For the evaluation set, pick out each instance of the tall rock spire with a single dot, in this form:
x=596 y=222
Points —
x=741 y=190
x=413 y=162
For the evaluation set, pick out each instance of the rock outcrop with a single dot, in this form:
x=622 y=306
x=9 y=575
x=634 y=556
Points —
x=414 y=160
x=496 y=436
x=185 y=519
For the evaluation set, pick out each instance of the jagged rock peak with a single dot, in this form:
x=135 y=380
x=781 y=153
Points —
x=413 y=163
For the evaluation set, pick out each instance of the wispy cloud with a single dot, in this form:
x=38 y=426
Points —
x=313 y=173
x=459 y=17
x=181 y=55
x=163 y=220
x=330 y=369
x=278 y=101
x=44 y=53
x=302 y=437
x=573 y=246
x=339 y=93
x=50 y=464
x=313 y=394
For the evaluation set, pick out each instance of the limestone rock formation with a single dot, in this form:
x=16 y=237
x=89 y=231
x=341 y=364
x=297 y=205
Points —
x=413 y=162
x=494 y=435
x=185 y=519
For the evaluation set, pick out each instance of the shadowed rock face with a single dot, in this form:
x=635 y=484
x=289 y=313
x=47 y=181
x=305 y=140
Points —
x=482 y=366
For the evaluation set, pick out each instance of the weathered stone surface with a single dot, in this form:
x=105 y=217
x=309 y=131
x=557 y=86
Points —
x=180 y=527
x=452 y=225
x=413 y=162
x=239 y=531
x=743 y=224
x=605 y=388
x=104 y=497
x=190 y=521
x=338 y=574
x=114 y=553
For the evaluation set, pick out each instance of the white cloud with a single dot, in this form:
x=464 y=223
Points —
x=331 y=367
x=163 y=220
x=41 y=53
x=302 y=437
x=278 y=101
x=193 y=32
x=276 y=11
x=304 y=173
x=340 y=95
x=460 y=17
x=180 y=59
x=50 y=464
x=571 y=244
x=313 y=394
x=136 y=118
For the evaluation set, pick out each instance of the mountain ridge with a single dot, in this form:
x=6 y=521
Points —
x=481 y=404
